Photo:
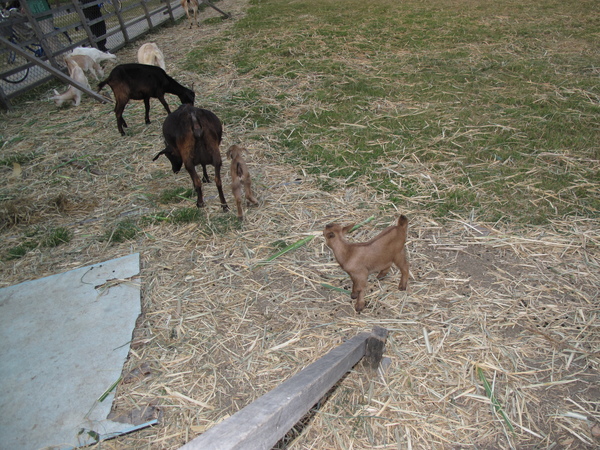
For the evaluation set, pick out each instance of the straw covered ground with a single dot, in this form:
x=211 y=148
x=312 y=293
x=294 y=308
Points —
x=515 y=310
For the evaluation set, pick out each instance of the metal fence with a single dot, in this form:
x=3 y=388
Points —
x=35 y=33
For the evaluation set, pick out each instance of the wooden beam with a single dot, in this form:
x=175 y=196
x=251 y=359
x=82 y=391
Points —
x=57 y=73
x=227 y=16
x=262 y=423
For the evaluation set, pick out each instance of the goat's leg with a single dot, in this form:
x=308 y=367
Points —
x=162 y=100
x=250 y=199
x=147 y=106
x=119 y=108
x=359 y=283
x=401 y=262
x=205 y=178
x=197 y=183
x=237 y=194
x=384 y=272
x=219 y=186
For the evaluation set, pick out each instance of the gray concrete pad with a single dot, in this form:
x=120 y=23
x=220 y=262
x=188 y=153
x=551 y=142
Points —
x=63 y=342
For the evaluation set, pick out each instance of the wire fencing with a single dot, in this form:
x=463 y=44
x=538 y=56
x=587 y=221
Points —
x=36 y=32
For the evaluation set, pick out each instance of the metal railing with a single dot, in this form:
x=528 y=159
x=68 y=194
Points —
x=37 y=36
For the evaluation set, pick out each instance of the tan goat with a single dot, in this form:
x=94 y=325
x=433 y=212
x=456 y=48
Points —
x=72 y=94
x=149 y=53
x=193 y=5
x=376 y=255
x=87 y=64
x=240 y=176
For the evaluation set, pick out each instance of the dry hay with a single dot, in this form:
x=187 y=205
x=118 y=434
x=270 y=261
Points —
x=218 y=331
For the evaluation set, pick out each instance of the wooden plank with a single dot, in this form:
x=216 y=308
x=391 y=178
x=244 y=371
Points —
x=374 y=349
x=227 y=16
x=261 y=424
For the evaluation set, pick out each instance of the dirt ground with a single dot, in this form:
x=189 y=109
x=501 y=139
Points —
x=517 y=309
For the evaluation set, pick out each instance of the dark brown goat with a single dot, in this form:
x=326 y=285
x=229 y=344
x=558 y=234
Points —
x=142 y=82
x=377 y=255
x=192 y=136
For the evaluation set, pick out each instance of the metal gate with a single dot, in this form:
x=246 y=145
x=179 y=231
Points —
x=35 y=35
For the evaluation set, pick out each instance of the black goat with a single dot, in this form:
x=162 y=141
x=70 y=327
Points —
x=142 y=82
x=192 y=136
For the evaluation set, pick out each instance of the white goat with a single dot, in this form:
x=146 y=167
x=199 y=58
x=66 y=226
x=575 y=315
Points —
x=87 y=64
x=149 y=53
x=72 y=94
x=94 y=53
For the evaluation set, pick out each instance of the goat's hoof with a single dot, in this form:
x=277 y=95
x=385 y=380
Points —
x=200 y=204
x=225 y=208
x=359 y=306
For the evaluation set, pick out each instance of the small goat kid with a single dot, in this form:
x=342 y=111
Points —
x=149 y=53
x=240 y=176
x=72 y=94
x=376 y=255
x=87 y=64
x=193 y=5
x=142 y=82
x=192 y=136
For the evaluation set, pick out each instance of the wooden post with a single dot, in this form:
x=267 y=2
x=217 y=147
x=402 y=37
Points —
x=262 y=423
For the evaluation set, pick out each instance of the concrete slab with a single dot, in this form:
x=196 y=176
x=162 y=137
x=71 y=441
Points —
x=63 y=342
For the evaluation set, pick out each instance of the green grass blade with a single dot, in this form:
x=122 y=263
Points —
x=493 y=399
x=333 y=288
x=364 y=222
x=289 y=248
x=109 y=390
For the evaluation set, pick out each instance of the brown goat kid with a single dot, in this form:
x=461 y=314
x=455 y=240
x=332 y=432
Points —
x=376 y=255
x=240 y=176
x=192 y=136
x=193 y=5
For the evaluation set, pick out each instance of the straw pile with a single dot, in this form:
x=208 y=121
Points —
x=496 y=344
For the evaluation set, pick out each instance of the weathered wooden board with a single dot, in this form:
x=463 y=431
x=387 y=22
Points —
x=261 y=424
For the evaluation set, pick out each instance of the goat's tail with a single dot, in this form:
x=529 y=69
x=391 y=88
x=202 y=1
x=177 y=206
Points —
x=239 y=170
x=196 y=127
x=102 y=84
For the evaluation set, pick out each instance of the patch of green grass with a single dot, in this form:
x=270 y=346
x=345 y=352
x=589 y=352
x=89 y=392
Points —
x=123 y=231
x=175 y=195
x=186 y=215
x=57 y=237
x=18 y=158
x=20 y=250
x=35 y=238
x=470 y=96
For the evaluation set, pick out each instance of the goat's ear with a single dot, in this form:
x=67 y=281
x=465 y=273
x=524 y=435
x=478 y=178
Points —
x=347 y=228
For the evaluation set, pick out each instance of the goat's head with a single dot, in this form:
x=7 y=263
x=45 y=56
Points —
x=235 y=151
x=335 y=231
x=176 y=161
x=188 y=97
